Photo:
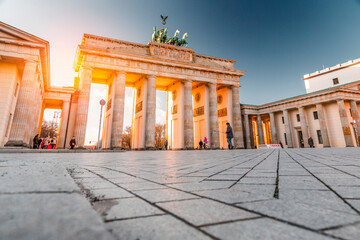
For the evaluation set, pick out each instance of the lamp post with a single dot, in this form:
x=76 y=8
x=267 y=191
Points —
x=102 y=103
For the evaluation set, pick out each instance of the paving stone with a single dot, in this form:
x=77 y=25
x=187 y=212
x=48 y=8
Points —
x=349 y=232
x=203 y=211
x=261 y=229
x=110 y=193
x=143 y=185
x=156 y=227
x=125 y=208
x=162 y=195
x=49 y=216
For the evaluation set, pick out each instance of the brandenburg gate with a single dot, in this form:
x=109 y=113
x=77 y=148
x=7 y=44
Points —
x=202 y=93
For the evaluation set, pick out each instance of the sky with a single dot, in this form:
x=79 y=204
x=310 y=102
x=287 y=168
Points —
x=276 y=42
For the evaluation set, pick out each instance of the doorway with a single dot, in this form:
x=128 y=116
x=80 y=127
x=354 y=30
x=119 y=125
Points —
x=301 y=139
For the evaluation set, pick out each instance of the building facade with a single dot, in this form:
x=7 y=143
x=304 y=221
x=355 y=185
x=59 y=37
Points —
x=202 y=96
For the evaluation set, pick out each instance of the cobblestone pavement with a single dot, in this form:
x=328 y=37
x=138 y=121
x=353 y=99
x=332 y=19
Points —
x=238 y=194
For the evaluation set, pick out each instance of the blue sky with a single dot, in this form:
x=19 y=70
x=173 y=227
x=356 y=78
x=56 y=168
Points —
x=276 y=42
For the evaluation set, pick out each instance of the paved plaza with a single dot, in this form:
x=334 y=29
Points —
x=238 y=194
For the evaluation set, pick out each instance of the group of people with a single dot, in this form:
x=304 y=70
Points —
x=44 y=143
x=49 y=142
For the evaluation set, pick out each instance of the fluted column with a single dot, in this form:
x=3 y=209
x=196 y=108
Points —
x=323 y=127
x=188 y=116
x=63 y=124
x=345 y=124
x=19 y=135
x=247 y=131
x=273 y=128
x=150 y=112
x=260 y=130
x=355 y=115
x=118 y=110
x=288 y=129
x=237 y=123
x=82 y=106
x=304 y=126
x=213 y=115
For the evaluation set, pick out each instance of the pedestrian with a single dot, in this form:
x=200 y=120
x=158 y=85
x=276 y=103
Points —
x=311 y=142
x=281 y=145
x=205 y=142
x=46 y=143
x=72 y=142
x=39 y=144
x=53 y=143
x=166 y=144
x=229 y=135
x=36 y=141
x=200 y=144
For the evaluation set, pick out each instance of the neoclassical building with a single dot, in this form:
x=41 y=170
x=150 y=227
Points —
x=202 y=96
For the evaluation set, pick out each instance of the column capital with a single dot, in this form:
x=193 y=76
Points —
x=120 y=72
x=29 y=60
x=85 y=67
x=148 y=76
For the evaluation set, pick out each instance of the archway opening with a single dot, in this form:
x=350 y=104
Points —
x=49 y=130
x=98 y=92
x=127 y=121
x=161 y=118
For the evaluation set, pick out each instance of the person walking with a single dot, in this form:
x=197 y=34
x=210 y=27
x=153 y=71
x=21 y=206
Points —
x=72 y=142
x=311 y=142
x=206 y=141
x=229 y=135
x=281 y=145
x=36 y=141
x=53 y=143
x=200 y=144
x=46 y=143
x=166 y=144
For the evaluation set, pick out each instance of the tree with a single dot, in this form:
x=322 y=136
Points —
x=159 y=135
x=126 y=137
x=49 y=128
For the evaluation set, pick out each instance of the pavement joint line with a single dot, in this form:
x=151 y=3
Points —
x=330 y=166
x=162 y=209
x=276 y=192
x=178 y=200
x=258 y=155
x=339 y=226
x=130 y=218
x=229 y=221
x=251 y=169
x=235 y=206
x=215 y=165
x=326 y=185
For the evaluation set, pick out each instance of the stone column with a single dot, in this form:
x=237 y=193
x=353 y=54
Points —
x=188 y=116
x=237 y=123
x=247 y=132
x=260 y=130
x=213 y=115
x=63 y=124
x=150 y=112
x=355 y=115
x=82 y=106
x=118 y=109
x=345 y=124
x=273 y=128
x=288 y=129
x=20 y=134
x=323 y=127
x=304 y=126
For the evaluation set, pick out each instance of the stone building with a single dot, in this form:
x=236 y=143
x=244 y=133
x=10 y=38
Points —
x=329 y=112
x=202 y=96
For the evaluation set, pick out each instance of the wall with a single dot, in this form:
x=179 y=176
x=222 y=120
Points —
x=345 y=75
x=176 y=116
x=9 y=78
x=201 y=123
x=226 y=103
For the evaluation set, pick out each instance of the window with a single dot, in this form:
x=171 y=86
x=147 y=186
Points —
x=285 y=138
x=319 y=136
x=298 y=117
x=283 y=120
x=335 y=81
x=315 y=115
